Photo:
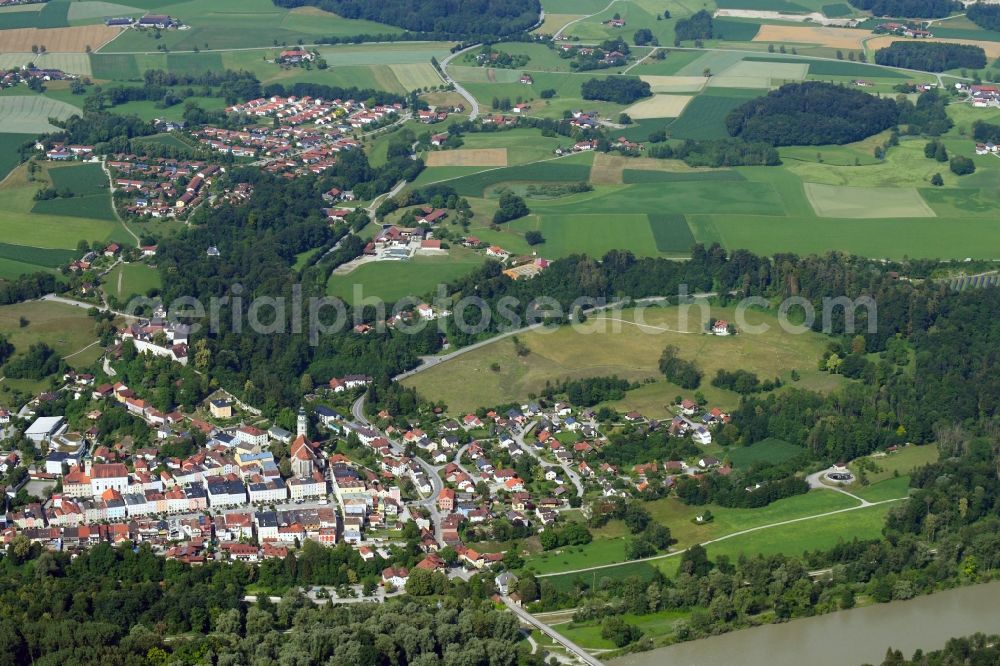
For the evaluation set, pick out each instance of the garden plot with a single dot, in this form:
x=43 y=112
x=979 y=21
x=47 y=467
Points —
x=659 y=106
x=866 y=202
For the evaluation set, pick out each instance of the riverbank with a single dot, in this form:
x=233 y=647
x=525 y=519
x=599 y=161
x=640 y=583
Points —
x=855 y=636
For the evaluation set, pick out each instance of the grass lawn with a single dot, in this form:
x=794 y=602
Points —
x=605 y=346
x=392 y=280
x=128 y=280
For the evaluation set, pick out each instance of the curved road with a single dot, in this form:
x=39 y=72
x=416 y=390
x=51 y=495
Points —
x=473 y=104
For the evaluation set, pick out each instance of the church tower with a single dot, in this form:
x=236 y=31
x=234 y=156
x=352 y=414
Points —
x=301 y=426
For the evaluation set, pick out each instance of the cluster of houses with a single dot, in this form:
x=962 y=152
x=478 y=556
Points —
x=60 y=152
x=149 y=21
x=902 y=30
x=614 y=23
x=295 y=56
x=980 y=96
x=161 y=187
x=603 y=56
x=293 y=111
x=11 y=77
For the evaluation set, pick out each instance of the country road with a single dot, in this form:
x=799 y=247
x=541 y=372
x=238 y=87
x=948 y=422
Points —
x=583 y=18
x=474 y=105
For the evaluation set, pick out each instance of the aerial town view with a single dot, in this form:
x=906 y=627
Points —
x=479 y=333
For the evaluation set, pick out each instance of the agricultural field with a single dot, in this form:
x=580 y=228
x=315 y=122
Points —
x=91 y=196
x=659 y=106
x=705 y=116
x=573 y=169
x=48 y=15
x=58 y=40
x=467 y=157
x=522 y=145
x=29 y=114
x=866 y=202
x=72 y=63
x=260 y=24
x=36 y=241
x=9 y=143
x=619 y=344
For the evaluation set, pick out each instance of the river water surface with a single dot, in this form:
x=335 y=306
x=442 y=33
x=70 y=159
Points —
x=845 y=638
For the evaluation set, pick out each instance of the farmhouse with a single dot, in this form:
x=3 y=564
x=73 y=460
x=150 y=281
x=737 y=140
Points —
x=158 y=21
x=526 y=79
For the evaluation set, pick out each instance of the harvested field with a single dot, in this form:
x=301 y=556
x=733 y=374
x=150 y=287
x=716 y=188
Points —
x=776 y=71
x=73 y=63
x=726 y=81
x=57 y=40
x=835 y=38
x=608 y=168
x=866 y=202
x=992 y=49
x=674 y=84
x=485 y=157
x=659 y=106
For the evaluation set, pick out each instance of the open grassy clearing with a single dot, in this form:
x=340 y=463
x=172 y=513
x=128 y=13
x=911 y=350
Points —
x=29 y=114
x=605 y=346
x=866 y=202
x=128 y=280
x=679 y=516
x=770 y=450
x=65 y=328
x=392 y=280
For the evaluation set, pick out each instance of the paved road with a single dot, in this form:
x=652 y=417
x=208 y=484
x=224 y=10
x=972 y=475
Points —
x=528 y=618
x=473 y=104
x=530 y=450
x=583 y=18
x=82 y=304
x=816 y=481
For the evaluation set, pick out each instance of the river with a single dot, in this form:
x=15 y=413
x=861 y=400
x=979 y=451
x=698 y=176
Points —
x=844 y=638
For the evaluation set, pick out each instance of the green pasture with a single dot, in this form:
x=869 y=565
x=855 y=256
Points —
x=235 y=24
x=523 y=145
x=594 y=235
x=626 y=348
x=572 y=169
x=29 y=114
x=50 y=15
x=9 y=158
x=392 y=280
x=91 y=197
x=705 y=116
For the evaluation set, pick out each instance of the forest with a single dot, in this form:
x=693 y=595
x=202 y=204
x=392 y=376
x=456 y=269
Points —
x=460 y=17
x=811 y=113
x=909 y=8
x=975 y=650
x=697 y=26
x=123 y=606
x=931 y=56
x=984 y=15
x=617 y=89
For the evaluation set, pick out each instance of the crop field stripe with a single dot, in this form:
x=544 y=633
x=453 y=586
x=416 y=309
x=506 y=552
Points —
x=45 y=257
x=671 y=232
x=705 y=117
x=632 y=176
x=475 y=184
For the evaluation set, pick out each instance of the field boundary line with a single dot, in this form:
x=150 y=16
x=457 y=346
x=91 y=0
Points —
x=724 y=538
